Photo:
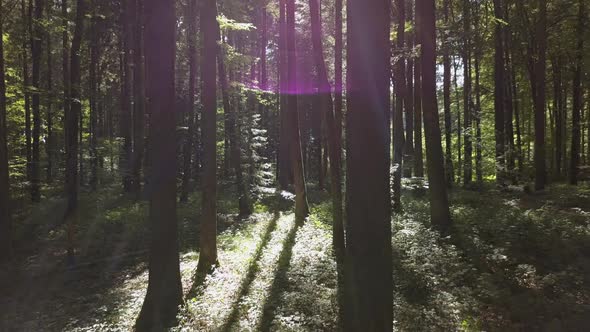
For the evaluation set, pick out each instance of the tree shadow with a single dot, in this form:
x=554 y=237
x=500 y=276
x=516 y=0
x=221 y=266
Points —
x=252 y=270
x=280 y=281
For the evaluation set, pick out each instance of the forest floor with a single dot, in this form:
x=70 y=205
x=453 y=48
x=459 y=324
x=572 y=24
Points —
x=514 y=261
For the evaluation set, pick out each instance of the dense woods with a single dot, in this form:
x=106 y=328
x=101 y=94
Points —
x=352 y=165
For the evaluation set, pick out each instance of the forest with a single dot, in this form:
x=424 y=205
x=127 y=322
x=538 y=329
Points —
x=294 y=165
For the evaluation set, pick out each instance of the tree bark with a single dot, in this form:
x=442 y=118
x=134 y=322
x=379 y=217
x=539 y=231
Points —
x=125 y=117
x=208 y=231
x=164 y=293
x=408 y=162
x=439 y=203
x=5 y=219
x=467 y=116
x=36 y=52
x=401 y=102
x=71 y=128
x=139 y=97
x=27 y=18
x=539 y=81
x=577 y=98
x=447 y=98
x=191 y=18
x=368 y=206
x=285 y=170
x=418 y=154
x=499 y=74
x=93 y=73
x=50 y=143
x=301 y=205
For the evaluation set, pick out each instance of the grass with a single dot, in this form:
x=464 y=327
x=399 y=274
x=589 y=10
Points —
x=513 y=261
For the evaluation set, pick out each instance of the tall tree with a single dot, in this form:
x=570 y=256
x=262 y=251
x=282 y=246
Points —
x=93 y=77
x=138 y=99
x=284 y=165
x=418 y=155
x=50 y=140
x=577 y=98
x=208 y=231
x=439 y=202
x=301 y=205
x=409 y=102
x=191 y=17
x=467 y=116
x=71 y=127
x=499 y=91
x=400 y=100
x=538 y=80
x=164 y=293
x=5 y=221
x=125 y=117
x=447 y=96
x=368 y=205
x=27 y=33
x=36 y=52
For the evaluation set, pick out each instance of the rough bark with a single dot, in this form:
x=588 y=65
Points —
x=577 y=99
x=439 y=203
x=208 y=231
x=5 y=220
x=368 y=204
x=164 y=293
x=191 y=18
x=400 y=100
x=71 y=128
x=447 y=98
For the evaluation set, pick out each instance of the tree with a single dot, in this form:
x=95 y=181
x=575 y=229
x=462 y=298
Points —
x=467 y=121
x=499 y=91
x=138 y=100
x=368 y=205
x=439 y=202
x=409 y=104
x=36 y=43
x=164 y=293
x=577 y=98
x=538 y=80
x=208 y=230
x=191 y=17
x=126 y=153
x=71 y=128
x=284 y=164
x=400 y=99
x=301 y=205
x=5 y=221
x=50 y=144
x=447 y=97
x=418 y=155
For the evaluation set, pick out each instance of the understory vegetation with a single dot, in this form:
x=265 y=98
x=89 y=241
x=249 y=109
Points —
x=512 y=261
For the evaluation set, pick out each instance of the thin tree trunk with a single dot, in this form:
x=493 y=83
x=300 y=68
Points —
x=128 y=18
x=208 y=232
x=539 y=82
x=301 y=205
x=408 y=162
x=36 y=52
x=71 y=123
x=164 y=293
x=577 y=99
x=5 y=219
x=27 y=17
x=418 y=155
x=369 y=255
x=401 y=102
x=450 y=176
x=467 y=116
x=285 y=170
x=50 y=144
x=139 y=97
x=191 y=18
x=499 y=74
x=93 y=72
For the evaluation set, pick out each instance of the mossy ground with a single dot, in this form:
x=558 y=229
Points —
x=513 y=261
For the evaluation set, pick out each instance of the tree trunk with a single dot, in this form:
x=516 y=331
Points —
x=5 y=220
x=285 y=170
x=301 y=205
x=577 y=99
x=408 y=162
x=27 y=18
x=439 y=204
x=93 y=72
x=36 y=52
x=499 y=93
x=71 y=128
x=208 y=232
x=401 y=101
x=191 y=18
x=128 y=18
x=139 y=97
x=467 y=116
x=418 y=155
x=369 y=254
x=447 y=98
x=164 y=293
x=49 y=144
x=539 y=81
